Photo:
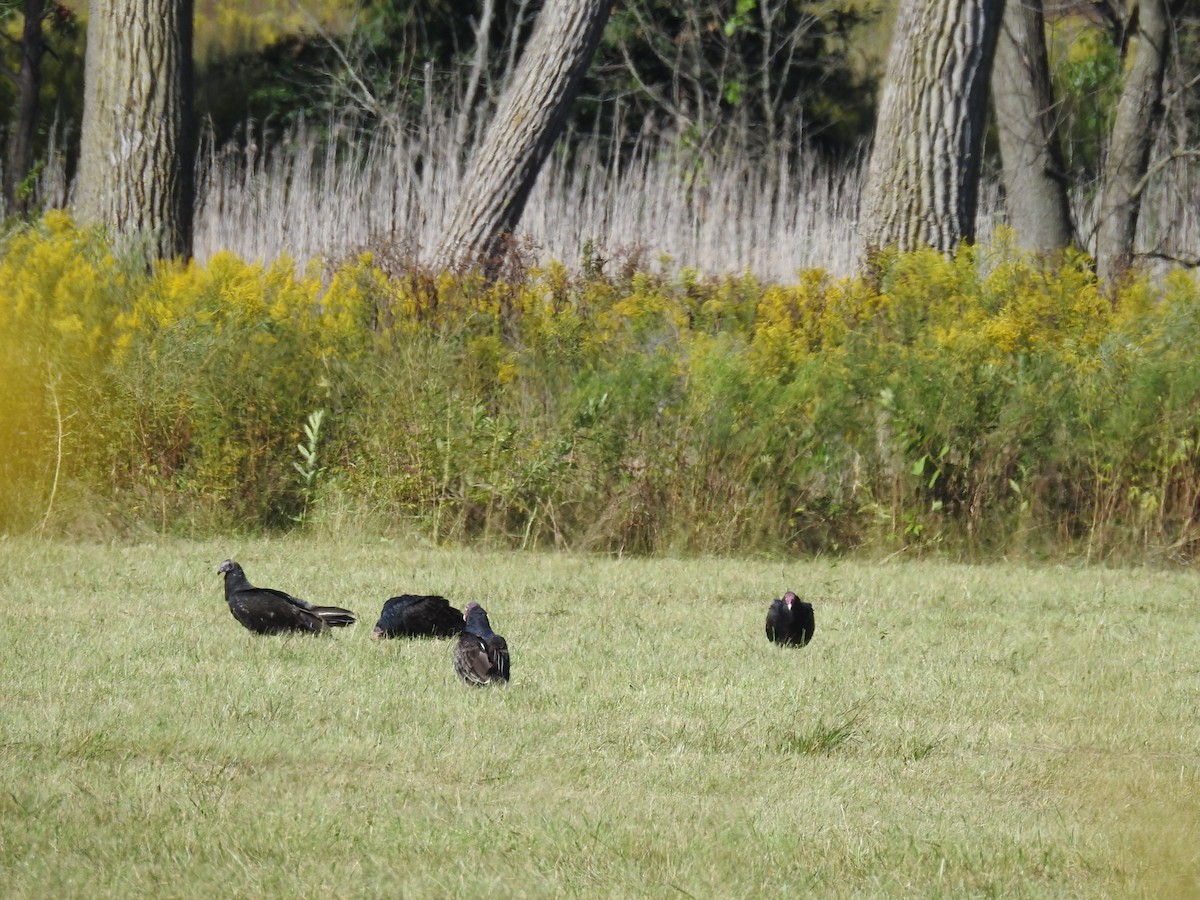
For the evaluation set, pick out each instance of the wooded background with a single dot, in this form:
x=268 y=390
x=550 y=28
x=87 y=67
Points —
x=1094 y=107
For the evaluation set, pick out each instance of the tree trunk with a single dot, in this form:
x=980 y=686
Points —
x=29 y=86
x=135 y=165
x=531 y=114
x=923 y=176
x=1138 y=113
x=1035 y=187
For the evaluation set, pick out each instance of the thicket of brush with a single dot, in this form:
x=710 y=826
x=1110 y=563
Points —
x=989 y=404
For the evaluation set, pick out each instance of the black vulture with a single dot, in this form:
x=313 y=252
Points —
x=790 y=621
x=268 y=611
x=418 y=615
x=481 y=655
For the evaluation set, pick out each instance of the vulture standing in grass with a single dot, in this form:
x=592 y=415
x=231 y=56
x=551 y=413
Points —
x=790 y=621
x=481 y=655
x=267 y=611
x=418 y=615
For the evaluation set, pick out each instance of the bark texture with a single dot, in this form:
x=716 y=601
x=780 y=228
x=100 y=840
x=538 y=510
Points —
x=1139 y=111
x=531 y=115
x=29 y=85
x=135 y=167
x=1035 y=187
x=923 y=176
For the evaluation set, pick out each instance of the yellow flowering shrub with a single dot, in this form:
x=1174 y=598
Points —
x=646 y=313
x=229 y=26
x=58 y=285
x=812 y=318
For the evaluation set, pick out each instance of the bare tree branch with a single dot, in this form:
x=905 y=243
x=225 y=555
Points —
x=478 y=65
x=367 y=98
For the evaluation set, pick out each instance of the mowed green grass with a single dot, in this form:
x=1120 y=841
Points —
x=951 y=731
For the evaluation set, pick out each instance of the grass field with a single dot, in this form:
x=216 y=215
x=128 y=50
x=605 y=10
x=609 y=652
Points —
x=951 y=731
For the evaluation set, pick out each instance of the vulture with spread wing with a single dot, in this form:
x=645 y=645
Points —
x=481 y=655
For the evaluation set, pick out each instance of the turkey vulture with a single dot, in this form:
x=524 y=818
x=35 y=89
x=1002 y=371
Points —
x=417 y=615
x=481 y=655
x=790 y=621
x=268 y=611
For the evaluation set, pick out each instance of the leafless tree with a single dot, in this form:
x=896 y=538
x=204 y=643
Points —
x=1035 y=183
x=19 y=159
x=531 y=115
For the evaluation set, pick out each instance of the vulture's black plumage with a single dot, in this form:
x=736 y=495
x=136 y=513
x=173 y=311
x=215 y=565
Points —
x=418 y=615
x=790 y=621
x=481 y=655
x=268 y=611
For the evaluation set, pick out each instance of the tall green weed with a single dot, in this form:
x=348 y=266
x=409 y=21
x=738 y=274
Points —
x=992 y=403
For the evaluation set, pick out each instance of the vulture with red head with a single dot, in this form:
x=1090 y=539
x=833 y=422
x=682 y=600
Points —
x=790 y=621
